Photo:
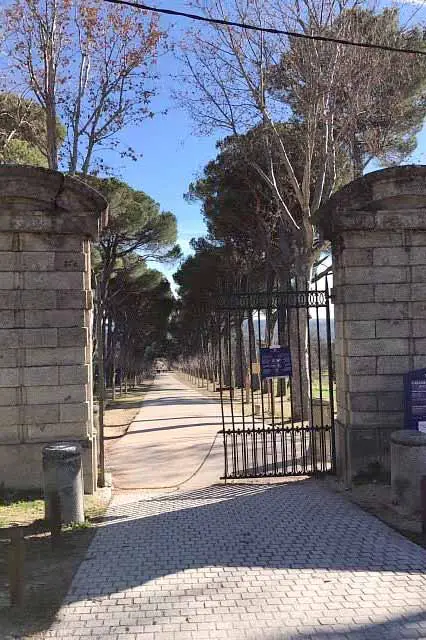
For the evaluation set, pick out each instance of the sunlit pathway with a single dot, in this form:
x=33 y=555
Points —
x=169 y=438
x=257 y=562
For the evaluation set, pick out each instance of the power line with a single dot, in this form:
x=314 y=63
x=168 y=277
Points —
x=421 y=5
x=252 y=27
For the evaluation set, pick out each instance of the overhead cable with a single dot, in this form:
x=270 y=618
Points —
x=253 y=27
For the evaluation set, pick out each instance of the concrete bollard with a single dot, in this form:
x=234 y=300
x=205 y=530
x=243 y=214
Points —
x=63 y=483
x=408 y=466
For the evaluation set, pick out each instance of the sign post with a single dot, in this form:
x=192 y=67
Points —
x=275 y=362
x=415 y=400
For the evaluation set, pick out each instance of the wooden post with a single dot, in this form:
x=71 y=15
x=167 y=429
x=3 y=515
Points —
x=16 y=566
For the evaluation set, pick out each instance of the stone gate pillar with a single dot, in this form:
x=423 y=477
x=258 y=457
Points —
x=46 y=223
x=377 y=227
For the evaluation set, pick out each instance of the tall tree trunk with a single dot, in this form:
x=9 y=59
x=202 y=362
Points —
x=240 y=364
x=226 y=370
x=114 y=363
x=298 y=329
x=52 y=143
x=357 y=159
x=255 y=381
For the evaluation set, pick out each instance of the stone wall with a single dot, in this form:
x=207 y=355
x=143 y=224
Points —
x=377 y=226
x=46 y=223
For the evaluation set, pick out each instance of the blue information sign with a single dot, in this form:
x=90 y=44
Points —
x=275 y=362
x=415 y=399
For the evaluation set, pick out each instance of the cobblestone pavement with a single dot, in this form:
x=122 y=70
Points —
x=259 y=562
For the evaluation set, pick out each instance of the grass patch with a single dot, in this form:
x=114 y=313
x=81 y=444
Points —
x=27 y=508
x=18 y=507
x=324 y=389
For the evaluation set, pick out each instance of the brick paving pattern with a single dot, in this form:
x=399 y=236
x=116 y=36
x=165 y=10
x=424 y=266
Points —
x=257 y=562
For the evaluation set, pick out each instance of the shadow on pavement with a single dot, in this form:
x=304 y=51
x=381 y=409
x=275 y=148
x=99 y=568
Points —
x=213 y=423
x=298 y=525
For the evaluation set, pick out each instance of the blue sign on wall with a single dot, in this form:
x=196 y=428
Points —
x=415 y=400
x=275 y=362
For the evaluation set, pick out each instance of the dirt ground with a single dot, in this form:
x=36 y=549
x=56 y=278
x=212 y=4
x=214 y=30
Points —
x=48 y=574
x=376 y=498
x=121 y=412
x=49 y=570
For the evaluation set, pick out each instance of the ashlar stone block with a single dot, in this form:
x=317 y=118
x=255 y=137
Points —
x=9 y=377
x=378 y=347
x=74 y=412
x=360 y=239
x=36 y=260
x=54 y=318
x=74 y=299
x=57 y=394
x=41 y=413
x=393 y=328
x=64 y=356
x=73 y=337
x=50 y=242
x=377 y=311
x=390 y=256
x=73 y=374
x=66 y=261
x=392 y=292
x=56 y=280
x=360 y=329
x=9 y=416
x=393 y=364
x=39 y=376
x=366 y=384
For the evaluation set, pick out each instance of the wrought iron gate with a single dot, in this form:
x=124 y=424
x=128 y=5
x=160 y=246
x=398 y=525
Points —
x=285 y=426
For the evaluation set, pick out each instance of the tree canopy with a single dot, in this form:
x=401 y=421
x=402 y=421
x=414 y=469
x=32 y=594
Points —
x=344 y=102
x=89 y=64
x=23 y=138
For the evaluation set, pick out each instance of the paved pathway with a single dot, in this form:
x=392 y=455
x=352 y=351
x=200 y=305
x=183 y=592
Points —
x=262 y=562
x=169 y=438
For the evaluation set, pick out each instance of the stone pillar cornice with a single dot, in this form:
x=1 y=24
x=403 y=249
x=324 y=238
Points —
x=389 y=199
x=51 y=203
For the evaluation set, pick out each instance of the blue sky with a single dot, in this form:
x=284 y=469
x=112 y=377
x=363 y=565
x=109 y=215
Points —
x=173 y=154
